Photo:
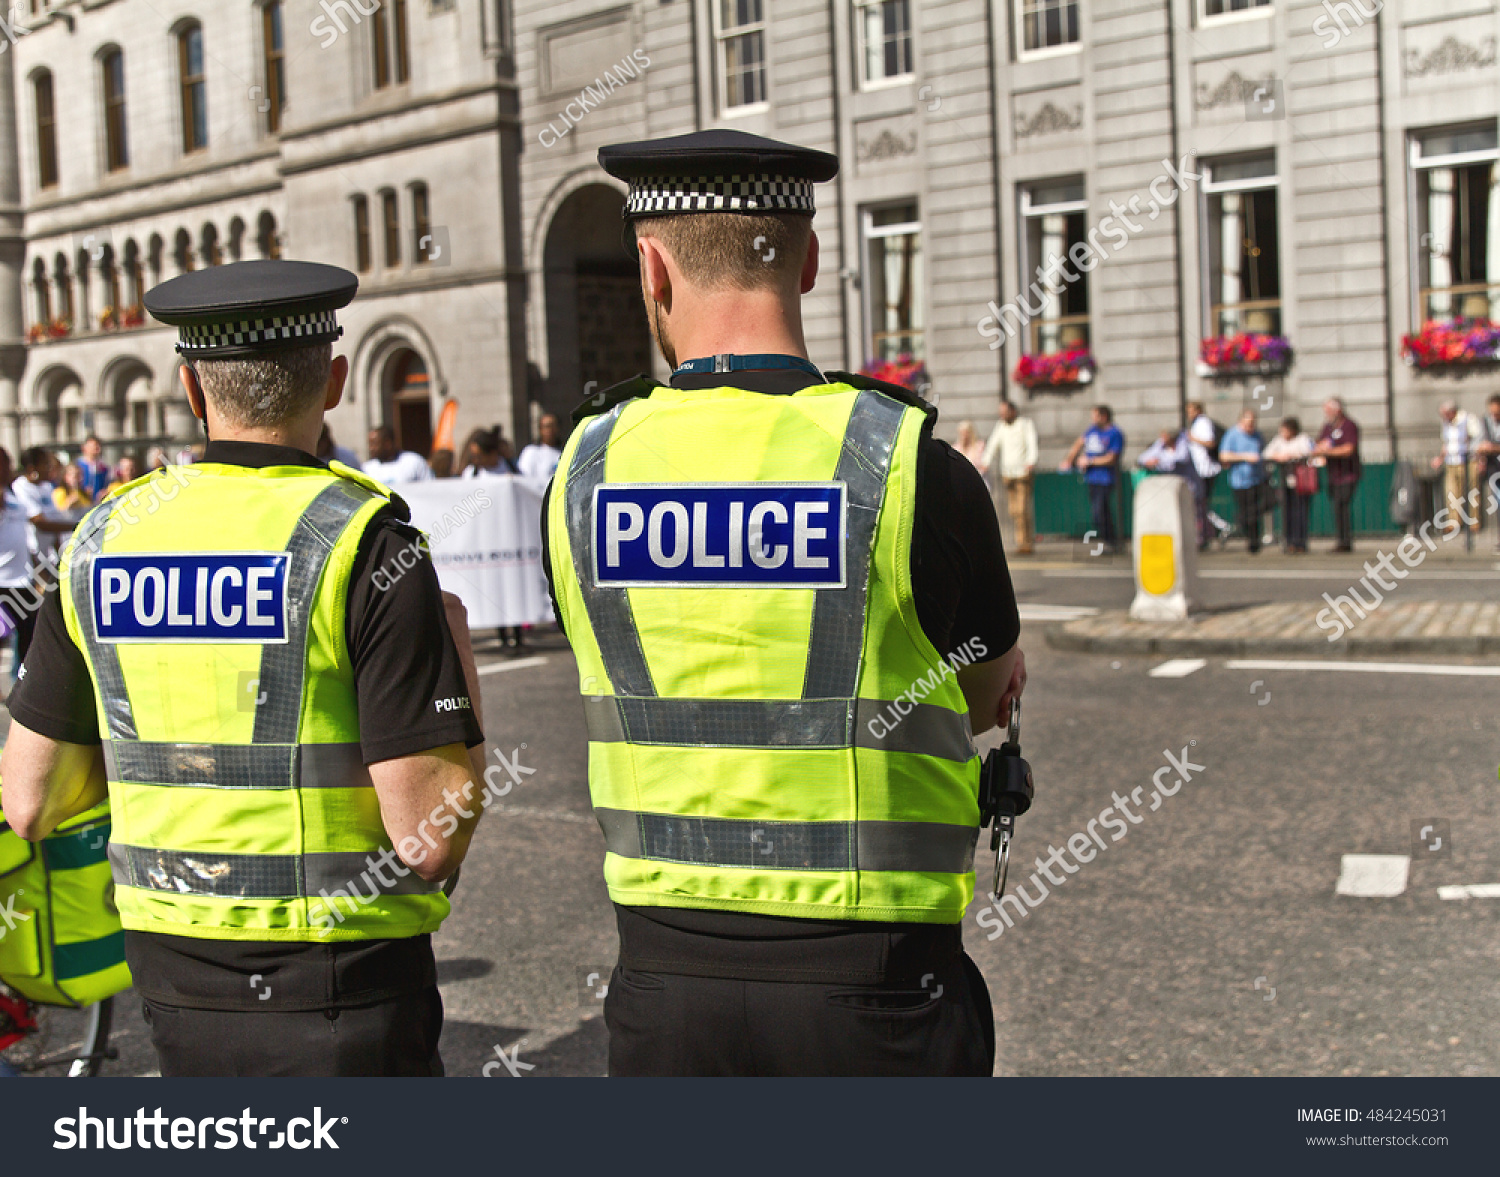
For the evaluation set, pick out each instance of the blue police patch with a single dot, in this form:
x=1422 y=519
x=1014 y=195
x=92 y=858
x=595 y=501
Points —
x=724 y=535
x=191 y=597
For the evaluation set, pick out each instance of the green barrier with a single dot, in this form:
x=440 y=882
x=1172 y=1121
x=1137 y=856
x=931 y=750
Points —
x=61 y=942
x=1062 y=504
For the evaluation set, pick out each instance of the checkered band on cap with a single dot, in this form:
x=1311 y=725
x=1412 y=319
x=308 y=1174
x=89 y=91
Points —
x=727 y=194
x=318 y=327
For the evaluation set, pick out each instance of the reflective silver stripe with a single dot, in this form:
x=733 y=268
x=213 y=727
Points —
x=927 y=730
x=913 y=846
x=237 y=766
x=836 y=640
x=610 y=616
x=261 y=876
x=88 y=541
x=283 y=665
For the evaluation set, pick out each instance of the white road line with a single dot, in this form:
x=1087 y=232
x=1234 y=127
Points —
x=545 y=814
x=1032 y=611
x=1179 y=668
x=518 y=664
x=1366 y=667
x=1470 y=891
x=1261 y=574
x=1379 y=876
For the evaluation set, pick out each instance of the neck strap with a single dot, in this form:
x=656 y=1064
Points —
x=731 y=363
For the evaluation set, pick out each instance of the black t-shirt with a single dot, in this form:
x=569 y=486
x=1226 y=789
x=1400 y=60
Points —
x=962 y=591
x=403 y=657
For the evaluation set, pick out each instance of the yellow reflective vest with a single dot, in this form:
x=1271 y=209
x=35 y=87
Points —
x=210 y=604
x=769 y=728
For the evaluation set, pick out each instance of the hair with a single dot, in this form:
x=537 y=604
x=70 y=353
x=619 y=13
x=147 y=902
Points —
x=1336 y=401
x=36 y=457
x=1105 y=412
x=267 y=389
x=386 y=431
x=1293 y=424
x=441 y=463
x=733 y=251
x=1494 y=399
x=1191 y=405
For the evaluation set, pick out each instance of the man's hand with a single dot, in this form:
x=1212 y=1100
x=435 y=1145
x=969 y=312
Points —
x=1013 y=689
x=990 y=687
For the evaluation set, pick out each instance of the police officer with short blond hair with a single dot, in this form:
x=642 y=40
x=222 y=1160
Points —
x=791 y=611
x=284 y=742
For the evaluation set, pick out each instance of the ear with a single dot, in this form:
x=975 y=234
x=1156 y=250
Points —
x=656 y=274
x=194 y=391
x=809 y=276
x=336 y=380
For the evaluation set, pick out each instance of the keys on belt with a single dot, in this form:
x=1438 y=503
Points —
x=1005 y=792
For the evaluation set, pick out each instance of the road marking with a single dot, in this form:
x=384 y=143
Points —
x=1470 y=891
x=1373 y=875
x=1259 y=574
x=1366 y=667
x=1032 y=611
x=1179 y=668
x=518 y=664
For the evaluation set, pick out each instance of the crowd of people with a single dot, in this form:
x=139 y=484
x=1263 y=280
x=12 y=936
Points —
x=1283 y=471
x=487 y=453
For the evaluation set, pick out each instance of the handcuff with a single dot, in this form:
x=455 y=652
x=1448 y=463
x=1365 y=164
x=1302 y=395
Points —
x=1005 y=792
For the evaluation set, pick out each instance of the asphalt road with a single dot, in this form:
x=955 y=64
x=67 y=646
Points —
x=1146 y=961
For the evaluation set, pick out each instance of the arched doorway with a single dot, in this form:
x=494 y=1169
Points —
x=406 y=394
x=596 y=326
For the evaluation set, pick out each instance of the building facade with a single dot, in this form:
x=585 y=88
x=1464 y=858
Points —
x=1064 y=201
x=157 y=138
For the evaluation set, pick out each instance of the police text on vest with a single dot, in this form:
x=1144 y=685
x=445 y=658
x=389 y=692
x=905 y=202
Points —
x=191 y=597
x=721 y=535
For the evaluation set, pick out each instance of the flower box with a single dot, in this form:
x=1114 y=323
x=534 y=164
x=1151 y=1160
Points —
x=1458 y=346
x=1057 y=370
x=904 y=370
x=1244 y=354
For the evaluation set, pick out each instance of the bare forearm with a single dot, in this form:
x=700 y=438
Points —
x=43 y=782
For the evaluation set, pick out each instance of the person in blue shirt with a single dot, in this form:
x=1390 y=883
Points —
x=1240 y=451
x=1097 y=454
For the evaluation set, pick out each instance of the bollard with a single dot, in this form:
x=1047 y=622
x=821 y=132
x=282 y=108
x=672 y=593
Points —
x=1166 y=550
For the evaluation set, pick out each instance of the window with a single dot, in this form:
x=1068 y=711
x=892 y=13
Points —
x=883 y=29
x=182 y=252
x=740 y=29
x=1209 y=8
x=194 y=89
x=208 y=247
x=893 y=281
x=1457 y=224
x=1054 y=218
x=140 y=418
x=135 y=274
x=116 y=147
x=267 y=239
x=64 y=283
x=43 y=292
x=390 y=214
x=46 y=131
x=273 y=50
x=1046 y=24
x=392 y=53
x=421 y=230
x=111 y=274
x=1242 y=247
x=362 y=258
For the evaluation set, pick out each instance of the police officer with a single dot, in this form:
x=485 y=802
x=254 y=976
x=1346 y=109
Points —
x=285 y=746
x=790 y=610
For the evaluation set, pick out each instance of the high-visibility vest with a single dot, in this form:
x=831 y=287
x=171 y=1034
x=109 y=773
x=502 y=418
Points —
x=769 y=729
x=60 y=939
x=210 y=605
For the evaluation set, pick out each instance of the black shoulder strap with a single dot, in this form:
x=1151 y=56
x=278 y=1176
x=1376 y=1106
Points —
x=897 y=392
x=601 y=402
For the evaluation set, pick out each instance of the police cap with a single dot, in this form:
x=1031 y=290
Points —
x=253 y=307
x=717 y=171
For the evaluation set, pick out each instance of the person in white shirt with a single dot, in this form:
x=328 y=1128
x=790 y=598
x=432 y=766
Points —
x=390 y=465
x=1461 y=433
x=538 y=461
x=1203 y=442
x=46 y=523
x=1290 y=449
x=18 y=602
x=1014 y=441
x=1168 y=454
x=485 y=458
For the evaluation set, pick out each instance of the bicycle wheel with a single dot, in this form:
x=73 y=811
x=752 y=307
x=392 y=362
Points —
x=77 y=1039
x=95 y=1040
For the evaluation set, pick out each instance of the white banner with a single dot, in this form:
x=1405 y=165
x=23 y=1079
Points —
x=486 y=539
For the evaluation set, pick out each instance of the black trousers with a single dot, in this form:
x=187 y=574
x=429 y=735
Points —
x=1249 y=509
x=1102 y=510
x=1294 y=515
x=666 y=1024
x=1341 y=497
x=391 y=1038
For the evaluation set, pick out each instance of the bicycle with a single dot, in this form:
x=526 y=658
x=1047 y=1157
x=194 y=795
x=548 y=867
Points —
x=36 y=1038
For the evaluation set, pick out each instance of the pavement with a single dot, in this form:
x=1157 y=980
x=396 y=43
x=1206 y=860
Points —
x=1330 y=606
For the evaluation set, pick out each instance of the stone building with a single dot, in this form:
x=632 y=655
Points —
x=1180 y=172
x=1319 y=172
x=156 y=138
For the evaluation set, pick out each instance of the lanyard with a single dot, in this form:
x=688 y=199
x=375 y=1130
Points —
x=729 y=363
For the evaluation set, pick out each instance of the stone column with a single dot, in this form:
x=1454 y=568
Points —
x=12 y=258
